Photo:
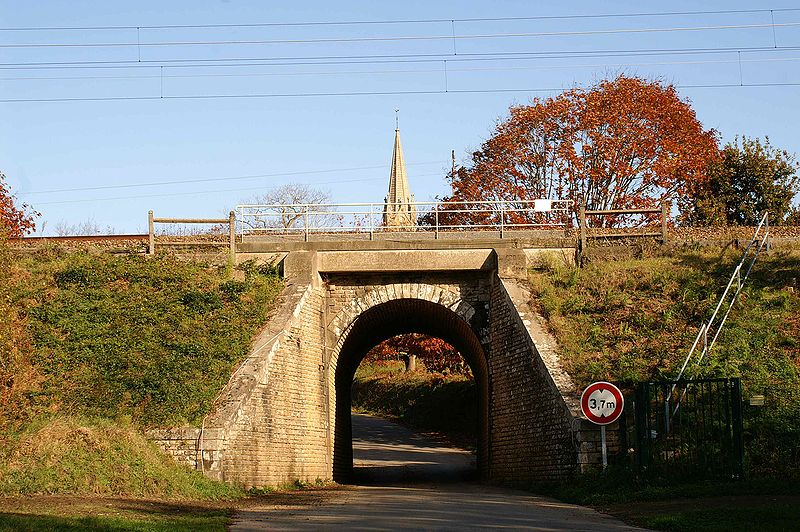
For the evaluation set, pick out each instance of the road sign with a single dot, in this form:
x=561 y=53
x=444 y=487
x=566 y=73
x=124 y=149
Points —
x=602 y=403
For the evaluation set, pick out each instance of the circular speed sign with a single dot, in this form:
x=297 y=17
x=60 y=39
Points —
x=602 y=403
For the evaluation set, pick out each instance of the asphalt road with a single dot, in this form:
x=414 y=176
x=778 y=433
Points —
x=408 y=482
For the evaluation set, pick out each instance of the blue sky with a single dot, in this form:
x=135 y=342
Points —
x=339 y=143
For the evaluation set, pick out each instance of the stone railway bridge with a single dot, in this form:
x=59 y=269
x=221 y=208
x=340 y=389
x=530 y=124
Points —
x=285 y=413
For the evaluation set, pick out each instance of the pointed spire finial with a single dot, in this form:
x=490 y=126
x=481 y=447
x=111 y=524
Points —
x=397 y=119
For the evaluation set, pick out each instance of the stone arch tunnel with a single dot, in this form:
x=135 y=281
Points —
x=384 y=321
x=285 y=413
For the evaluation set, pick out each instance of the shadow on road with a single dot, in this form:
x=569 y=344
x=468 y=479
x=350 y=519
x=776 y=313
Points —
x=388 y=454
x=405 y=481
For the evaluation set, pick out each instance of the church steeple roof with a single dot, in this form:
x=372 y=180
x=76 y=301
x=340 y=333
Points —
x=398 y=180
x=399 y=210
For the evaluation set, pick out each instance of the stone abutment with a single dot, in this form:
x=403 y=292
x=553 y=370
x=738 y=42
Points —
x=285 y=413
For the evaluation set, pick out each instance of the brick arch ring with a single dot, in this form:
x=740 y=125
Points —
x=446 y=297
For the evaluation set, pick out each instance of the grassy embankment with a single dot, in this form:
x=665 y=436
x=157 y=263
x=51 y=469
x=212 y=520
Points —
x=753 y=504
x=96 y=348
x=634 y=320
x=445 y=404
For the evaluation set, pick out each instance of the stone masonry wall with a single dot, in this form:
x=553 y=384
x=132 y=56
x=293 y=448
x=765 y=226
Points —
x=449 y=289
x=531 y=423
x=268 y=426
x=180 y=443
x=281 y=432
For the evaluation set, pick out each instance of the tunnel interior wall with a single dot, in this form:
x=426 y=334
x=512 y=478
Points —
x=450 y=305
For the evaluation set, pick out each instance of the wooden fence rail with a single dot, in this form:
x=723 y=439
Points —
x=585 y=236
x=230 y=221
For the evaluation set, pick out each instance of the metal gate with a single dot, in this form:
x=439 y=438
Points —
x=689 y=428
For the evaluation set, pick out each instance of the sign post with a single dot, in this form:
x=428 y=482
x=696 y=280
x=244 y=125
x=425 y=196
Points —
x=602 y=404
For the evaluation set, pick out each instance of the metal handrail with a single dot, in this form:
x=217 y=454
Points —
x=308 y=218
x=757 y=243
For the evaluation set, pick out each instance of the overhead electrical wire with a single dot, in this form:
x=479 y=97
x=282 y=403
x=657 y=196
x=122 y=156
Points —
x=409 y=71
x=406 y=21
x=330 y=40
x=362 y=93
x=380 y=58
x=171 y=194
x=430 y=58
x=227 y=178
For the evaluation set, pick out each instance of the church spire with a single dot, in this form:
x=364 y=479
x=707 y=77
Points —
x=399 y=210
x=398 y=179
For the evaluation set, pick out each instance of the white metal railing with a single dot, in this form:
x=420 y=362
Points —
x=713 y=327
x=319 y=218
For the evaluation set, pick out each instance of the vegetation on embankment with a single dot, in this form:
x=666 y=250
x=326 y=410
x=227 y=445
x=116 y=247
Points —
x=94 y=348
x=68 y=455
x=633 y=320
x=427 y=401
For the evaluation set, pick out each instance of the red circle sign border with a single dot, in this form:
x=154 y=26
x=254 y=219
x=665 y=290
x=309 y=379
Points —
x=614 y=391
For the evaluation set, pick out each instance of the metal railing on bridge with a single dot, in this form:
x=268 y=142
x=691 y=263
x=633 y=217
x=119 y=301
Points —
x=431 y=217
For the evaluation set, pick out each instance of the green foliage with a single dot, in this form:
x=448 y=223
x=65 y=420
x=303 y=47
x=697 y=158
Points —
x=753 y=504
x=155 y=339
x=620 y=485
x=749 y=178
x=423 y=400
x=97 y=457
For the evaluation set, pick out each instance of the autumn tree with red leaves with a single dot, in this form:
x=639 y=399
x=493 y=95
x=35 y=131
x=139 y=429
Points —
x=623 y=143
x=15 y=221
x=436 y=354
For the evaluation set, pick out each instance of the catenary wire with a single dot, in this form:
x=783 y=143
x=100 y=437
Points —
x=396 y=38
x=227 y=178
x=406 y=21
x=380 y=58
x=171 y=194
x=362 y=93
x=410 y=71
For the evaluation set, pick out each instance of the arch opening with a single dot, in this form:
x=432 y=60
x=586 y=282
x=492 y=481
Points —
x=387 y=320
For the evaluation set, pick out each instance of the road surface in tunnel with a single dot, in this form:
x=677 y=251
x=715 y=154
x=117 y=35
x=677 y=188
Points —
x=406 y=481
x=388 y=454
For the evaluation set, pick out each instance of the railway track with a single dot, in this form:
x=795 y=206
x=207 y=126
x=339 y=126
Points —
x=85 y=238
